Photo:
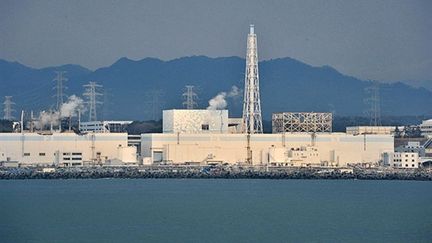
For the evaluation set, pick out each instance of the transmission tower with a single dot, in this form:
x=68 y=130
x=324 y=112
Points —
x=190 y=96
x=154 y=104
x=252 y=119
x=60 y=87
x=92 y=93
x=8 y=108
x=374 y=103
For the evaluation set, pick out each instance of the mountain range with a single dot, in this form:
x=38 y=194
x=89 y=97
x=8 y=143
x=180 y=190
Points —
x=139 y=90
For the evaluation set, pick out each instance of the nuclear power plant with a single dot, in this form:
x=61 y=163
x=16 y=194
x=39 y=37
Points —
x=198 y=137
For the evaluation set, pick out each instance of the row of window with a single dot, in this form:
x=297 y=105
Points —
x=406 y=165
x=72 y=158
x=72 y=153
x=406 y=155
x=399 y=160
x=44 y=154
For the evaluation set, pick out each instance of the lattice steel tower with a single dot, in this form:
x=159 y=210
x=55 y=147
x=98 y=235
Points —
x=92 y=94
x=8 y=108
x=60 y=87
x=252 y=119
x=190 y=96
x=374 y=102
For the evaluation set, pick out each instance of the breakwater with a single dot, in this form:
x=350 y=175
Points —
x=223 y=172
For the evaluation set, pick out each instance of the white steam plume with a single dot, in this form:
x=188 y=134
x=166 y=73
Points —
x=47 y=118
x=235 y=91
x=71 y=107
x=218 y=102
x=68 y=109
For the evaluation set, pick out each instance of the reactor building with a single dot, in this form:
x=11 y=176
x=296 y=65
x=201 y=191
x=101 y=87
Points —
x=204 y=137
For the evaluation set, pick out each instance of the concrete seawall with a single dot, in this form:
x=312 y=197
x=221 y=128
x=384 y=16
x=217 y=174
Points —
x=214 y=172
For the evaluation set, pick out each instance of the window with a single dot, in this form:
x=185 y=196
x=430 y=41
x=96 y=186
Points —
x=41 y=154
x=76 y=158
x=26 y=154
x=205 y=127
x=157 y=156
x=66 y=153
x=76 y=153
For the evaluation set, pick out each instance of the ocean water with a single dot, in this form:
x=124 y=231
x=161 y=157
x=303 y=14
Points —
x=220 y=210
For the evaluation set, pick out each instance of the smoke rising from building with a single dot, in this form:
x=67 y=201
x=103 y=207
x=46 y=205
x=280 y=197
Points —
x=219 y=101
x=69 y=109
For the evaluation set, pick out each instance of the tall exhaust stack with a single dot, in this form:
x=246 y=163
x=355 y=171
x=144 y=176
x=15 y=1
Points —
x=252 y=119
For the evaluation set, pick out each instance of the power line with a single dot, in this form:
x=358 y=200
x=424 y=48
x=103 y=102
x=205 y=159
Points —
x=8 y=108
x=60 y=87
x=92 y=94
x=190 y=96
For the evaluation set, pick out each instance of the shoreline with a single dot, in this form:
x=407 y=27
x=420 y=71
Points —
x=213 y=173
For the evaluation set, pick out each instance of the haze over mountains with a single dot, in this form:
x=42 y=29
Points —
x=138 y=90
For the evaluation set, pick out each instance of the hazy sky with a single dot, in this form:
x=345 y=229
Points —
x=384 y=40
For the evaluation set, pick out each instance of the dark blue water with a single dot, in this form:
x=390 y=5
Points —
x=116 y=210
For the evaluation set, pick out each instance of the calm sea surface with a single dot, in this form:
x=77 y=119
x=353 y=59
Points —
x=193 y=210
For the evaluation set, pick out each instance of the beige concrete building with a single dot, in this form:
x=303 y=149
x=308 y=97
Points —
x=65 y=149
x=370 y=130
x=332 y=149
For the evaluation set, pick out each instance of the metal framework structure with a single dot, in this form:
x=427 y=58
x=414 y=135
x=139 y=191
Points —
x=374 y=103
x=252 y=119
x=310 y=122
x=190 y=98
x=60 y=87
x=154 y=104
x=92 y=94
x=8 y=108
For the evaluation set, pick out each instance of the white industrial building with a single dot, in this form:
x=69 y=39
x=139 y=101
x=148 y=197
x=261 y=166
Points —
x=404 y=160
x=104 y=126
x=66 y=149
x=426 y=128
x=184 y=141
x=357 y=130
x=195 y=121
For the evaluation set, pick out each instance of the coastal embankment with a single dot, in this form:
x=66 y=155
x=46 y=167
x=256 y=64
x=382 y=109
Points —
x=214 y=172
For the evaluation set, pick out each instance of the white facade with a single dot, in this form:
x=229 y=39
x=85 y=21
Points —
x=303 y=156
x=426 y=128
x=337 y=149
x=66 y=149
x=195 y=121
x=406 y=160
x=103 y=126
x=370 y=130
